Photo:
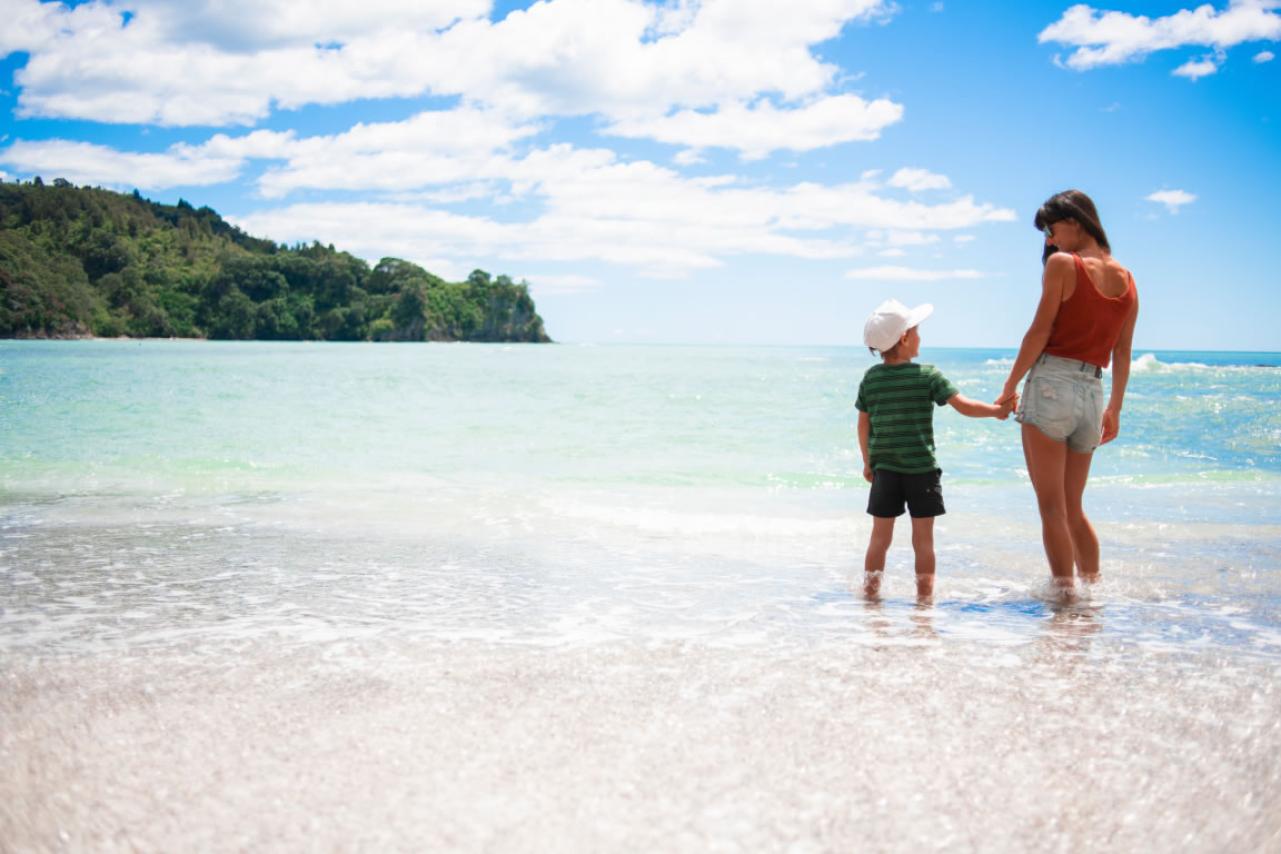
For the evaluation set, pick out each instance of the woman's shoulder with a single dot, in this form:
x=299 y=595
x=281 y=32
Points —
x=1060 y=261
x=1060 y=273
x=1119 y=273
x=1120 y=269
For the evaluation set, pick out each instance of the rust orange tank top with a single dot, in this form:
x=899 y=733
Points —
x=1088 y=323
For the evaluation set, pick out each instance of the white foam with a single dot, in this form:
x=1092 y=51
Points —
x=1149 y=363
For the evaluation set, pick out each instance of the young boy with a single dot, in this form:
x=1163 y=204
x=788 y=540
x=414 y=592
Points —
x=896 y=436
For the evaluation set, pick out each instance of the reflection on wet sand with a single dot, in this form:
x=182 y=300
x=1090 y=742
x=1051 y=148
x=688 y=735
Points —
x=1068 y=632
x=884 y=626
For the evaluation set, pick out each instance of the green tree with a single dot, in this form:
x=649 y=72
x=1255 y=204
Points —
x=235 y=317
x=75 y=260
x=409 y=314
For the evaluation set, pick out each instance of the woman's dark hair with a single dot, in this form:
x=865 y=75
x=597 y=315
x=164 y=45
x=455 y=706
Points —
x=1074 y=205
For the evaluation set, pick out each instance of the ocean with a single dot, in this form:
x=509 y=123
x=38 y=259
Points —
x=572 y=597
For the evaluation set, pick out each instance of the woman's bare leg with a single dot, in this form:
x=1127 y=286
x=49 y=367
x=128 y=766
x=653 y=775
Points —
x=1046 y=464
x=1085 y=543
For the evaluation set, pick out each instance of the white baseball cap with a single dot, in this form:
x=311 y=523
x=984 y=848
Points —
x=891 y=319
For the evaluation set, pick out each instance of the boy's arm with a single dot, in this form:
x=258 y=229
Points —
x=864 y=436
x=977 y=409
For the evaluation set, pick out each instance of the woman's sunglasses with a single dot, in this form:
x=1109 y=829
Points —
x=1049 y=230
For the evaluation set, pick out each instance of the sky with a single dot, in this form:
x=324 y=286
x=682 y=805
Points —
x=723 y=171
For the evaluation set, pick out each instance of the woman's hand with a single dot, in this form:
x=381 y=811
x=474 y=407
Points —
x=1111 y=425
x=1008 y=393
x=867 y=472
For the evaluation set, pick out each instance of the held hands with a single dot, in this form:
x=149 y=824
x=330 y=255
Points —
x=1007 y=402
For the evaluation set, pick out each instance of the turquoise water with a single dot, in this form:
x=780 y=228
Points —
x=710 y=470
x=643 y=547
x=201 y=415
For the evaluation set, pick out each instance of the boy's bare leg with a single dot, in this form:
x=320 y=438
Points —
x=877 y=547
x=1085 y=542
x=923 y=546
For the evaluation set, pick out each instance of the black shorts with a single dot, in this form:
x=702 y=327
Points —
x=923 y=494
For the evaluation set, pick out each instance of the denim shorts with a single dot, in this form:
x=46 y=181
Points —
x=1063 y=398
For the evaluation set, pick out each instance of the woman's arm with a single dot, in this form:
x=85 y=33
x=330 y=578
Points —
x=1058 y=271
x=1120 y=375
x=864 y=436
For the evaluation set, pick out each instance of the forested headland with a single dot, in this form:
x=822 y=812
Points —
x=81 y=261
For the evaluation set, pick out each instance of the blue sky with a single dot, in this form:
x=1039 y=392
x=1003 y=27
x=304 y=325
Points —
x=718 y=171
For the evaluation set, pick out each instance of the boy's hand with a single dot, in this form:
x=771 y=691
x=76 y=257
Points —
x=867 y=473
x=1007 y=401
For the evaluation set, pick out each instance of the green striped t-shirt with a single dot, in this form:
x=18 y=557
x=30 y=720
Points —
x=898 y=400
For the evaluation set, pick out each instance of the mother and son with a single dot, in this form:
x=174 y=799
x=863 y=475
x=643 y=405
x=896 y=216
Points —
x=1085 y=320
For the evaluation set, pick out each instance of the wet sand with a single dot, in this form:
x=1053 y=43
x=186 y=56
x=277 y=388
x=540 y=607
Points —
x=917 y=743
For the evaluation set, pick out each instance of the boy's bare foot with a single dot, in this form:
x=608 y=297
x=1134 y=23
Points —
x=924 y=587
x=872 y=585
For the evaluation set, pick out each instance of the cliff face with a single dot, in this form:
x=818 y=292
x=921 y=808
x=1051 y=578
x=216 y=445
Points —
x=78 y=261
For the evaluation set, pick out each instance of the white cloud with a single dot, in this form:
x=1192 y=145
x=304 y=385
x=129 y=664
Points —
x=760 y=129
x=636 y=64
x=430 y=149
x=572 y=204
x=892 y=253
x=910 y=238
x=544 y=284
x=417 y=155
x=910 y=274
x=917 y=180
x=30 y=25
x=453 y=194
x=214 y=63
x=962 y=239
x=1264 y=56
x=86 y=163
x=443 y=241
x=860 y=205
x=438 y=240
x=1172 y=199
x=288 y=22
x=554 y=202
x=1108 y=38
x=1195 y=69
x=438 y=147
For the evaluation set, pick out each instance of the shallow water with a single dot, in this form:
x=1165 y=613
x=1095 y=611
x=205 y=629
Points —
x=519 y=598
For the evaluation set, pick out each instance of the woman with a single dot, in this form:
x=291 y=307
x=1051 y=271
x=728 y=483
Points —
x=1085 y=321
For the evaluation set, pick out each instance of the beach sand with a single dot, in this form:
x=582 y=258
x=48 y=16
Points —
x=902 y=744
